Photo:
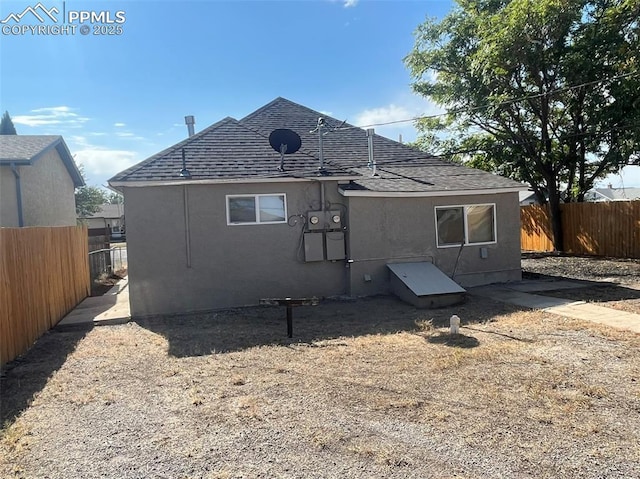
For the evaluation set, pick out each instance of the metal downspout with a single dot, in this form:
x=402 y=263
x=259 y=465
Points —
x=16 y=174
x=187 y=226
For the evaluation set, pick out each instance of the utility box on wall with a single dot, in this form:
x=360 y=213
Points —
x=313 y=247
x=324 y=220
x=315 y=220
x=335 y=245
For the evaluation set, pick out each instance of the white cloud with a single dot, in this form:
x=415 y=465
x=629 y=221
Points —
x=350 y=3
x=100 y=161
x=397 y=117
x=384 y=114
x=119 y=125
x=58 y=115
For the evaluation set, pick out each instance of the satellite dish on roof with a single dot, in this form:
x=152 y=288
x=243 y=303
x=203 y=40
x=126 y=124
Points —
x=285 y=142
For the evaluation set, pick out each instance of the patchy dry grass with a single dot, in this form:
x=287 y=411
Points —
x=370 y=388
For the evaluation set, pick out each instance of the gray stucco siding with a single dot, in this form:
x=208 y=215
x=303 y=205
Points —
x=8 y=198
x=48 y=192
x=384 y=230
x=230 y=265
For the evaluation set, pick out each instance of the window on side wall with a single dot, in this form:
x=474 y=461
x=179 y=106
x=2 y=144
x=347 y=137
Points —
x=256 y=209
x=468 y=224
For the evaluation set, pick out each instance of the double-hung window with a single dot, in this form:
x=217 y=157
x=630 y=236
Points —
x=469 y=225
x=256 y=209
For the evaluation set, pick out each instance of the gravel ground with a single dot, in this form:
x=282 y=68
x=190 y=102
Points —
x=368 y=388
x=593 y=268
x=619 y=278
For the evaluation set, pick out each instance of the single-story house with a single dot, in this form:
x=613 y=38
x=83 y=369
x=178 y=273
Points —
x=38 y=178
x=528 y=198
x=613 y=194
x=219 y=220
x=107 y=221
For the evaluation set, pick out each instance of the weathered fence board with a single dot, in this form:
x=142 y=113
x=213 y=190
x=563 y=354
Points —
x=599 y=229
x=44 y=273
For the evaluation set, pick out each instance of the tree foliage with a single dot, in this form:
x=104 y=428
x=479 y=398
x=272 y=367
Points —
x=89 y=199
x=6 y=125
x=542 y=91
x=114 y=198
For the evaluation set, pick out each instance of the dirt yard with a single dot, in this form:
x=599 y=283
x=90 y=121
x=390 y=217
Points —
x=368 y=388
x=619 y=279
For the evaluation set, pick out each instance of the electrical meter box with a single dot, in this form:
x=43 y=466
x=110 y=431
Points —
x=324 y=220
x=335 y=245
x=313 y=247
x=334 y=220
x=315 y=220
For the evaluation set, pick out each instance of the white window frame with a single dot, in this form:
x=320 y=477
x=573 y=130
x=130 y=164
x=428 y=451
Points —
x=466 y=225
x=256 y=197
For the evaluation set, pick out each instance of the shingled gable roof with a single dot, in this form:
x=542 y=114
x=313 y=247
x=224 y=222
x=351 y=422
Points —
x=346 y=144
x=233 y=150
x=226 y=150
x=400 y=168
x=27 y=149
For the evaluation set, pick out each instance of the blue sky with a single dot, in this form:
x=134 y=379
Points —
x=120 y=98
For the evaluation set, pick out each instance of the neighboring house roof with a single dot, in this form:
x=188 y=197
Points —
x=27 y=149
x=527 y=196
x=108 y=211
x=617 y=194
x=232 y=150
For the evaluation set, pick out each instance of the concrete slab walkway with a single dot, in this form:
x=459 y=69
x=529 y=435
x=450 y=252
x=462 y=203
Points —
x=521 y=294
x=110 y=308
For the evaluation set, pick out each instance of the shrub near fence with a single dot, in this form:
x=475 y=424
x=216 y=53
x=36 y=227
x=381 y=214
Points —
x=599 y=229
x=44 y=274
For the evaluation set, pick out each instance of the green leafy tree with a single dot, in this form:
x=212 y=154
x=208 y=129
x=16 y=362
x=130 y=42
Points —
x=542 y=91
x=89 y=198
x=114 y=198
x=6 y=125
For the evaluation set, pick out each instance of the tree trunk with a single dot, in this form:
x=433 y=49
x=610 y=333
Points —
x=556 y=218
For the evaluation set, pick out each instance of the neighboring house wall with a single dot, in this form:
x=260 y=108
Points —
x=47 y=192
x=95 y=223
x=230 y=265
x=8 y=198
x=388 y=230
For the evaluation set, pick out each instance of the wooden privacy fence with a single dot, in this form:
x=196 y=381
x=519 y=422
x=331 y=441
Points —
x=44 y=274
x=600 y=229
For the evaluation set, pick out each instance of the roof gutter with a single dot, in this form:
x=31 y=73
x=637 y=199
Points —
x=16 y=174
x=425 y=194
x=178 y=182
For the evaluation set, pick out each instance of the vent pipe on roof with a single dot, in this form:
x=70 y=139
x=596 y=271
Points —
x=371 y=164
x=321 y=133
x=400 y=138
x=184 y=172
x=190 y=121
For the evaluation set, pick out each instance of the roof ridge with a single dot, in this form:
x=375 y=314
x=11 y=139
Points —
x=301 y=151
x=299 y=105
x=342 y=122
